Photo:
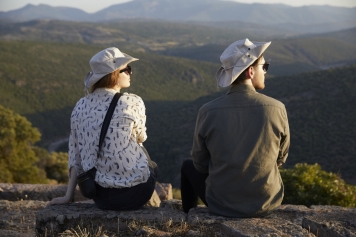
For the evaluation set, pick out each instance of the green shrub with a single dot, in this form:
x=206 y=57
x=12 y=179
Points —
x=17 y=158
x=176 y=193
x=55 y=164
x=310 y=185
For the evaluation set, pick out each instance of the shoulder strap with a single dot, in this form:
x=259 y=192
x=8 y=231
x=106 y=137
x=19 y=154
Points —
x=107 y=119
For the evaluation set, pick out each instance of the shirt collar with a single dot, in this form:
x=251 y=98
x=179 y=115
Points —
x=241 y=88
x=105 y=90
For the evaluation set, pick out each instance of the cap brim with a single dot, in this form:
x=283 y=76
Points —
x=225 y=78
x=92 y=78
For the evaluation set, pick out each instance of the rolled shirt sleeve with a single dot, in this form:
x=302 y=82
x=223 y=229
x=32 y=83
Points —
x=140 y=122
x=200 y=152
x=285 y=141
x=74 y=159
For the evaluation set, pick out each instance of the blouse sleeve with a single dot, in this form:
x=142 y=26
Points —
x=140 y=121
x=73 y=149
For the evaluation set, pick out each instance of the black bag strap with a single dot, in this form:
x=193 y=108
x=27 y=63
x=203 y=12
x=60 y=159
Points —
x=107 y=119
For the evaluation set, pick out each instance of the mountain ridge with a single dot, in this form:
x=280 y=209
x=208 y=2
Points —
x=325 y=18
x=192 y=41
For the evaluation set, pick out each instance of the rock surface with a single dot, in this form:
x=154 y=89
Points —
x=331 y=221
x=288 y=220
x=164 y=191
x=154 y=201
x=33 y=218
x=39 y=192
x=46 y=192
x=56 y=219
x=18 y=218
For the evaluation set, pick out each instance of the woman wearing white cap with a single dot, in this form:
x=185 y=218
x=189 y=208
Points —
x=125 y=176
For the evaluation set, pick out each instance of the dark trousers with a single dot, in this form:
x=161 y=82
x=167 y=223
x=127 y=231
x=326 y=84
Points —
x=192 y=185
x=131 y=198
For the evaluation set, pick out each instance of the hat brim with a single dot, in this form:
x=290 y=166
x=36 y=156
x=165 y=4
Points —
x=225 y=77
x=93 y=77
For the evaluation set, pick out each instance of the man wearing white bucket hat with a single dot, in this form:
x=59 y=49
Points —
x=240 y=140
x=119 y=173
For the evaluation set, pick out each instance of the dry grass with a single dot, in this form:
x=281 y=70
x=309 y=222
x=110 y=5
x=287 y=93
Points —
x=144 y=228
x=84 y=232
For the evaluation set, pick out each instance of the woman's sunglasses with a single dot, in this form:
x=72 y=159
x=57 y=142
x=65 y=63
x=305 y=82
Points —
x=265 y=66
x=126 y=69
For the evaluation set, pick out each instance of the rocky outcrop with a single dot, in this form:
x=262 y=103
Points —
x=18 y=218
x=39 y=192
x=44 y=192
x=164 y=191
x=57 y=219
x=27 y=217
x=288 y=220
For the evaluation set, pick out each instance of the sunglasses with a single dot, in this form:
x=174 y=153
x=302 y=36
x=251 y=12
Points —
x=265 y=66
x=126 y=69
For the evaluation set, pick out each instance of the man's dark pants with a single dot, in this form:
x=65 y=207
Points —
x=192 y=185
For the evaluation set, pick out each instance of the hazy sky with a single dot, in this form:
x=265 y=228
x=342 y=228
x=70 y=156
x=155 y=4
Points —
x=94 y=6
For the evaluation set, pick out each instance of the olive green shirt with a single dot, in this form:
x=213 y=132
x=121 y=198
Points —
x=239 y=139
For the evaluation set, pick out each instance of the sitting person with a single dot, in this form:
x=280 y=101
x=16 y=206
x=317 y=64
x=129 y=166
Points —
x=239 y=142
x=125 y=176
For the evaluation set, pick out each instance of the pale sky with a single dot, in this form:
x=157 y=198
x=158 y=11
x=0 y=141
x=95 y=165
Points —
x=94 y=6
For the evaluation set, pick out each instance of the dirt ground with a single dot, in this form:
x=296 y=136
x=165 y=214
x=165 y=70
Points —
x=18 y=218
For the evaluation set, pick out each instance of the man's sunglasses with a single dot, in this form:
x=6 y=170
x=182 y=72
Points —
x=265 y=66
x=126 y=69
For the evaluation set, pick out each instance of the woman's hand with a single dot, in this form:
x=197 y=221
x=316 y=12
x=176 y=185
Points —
x=59 y=200
x=72 y=183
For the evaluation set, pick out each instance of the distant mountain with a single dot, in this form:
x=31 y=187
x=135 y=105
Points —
x=300 y=19
x=42 y=11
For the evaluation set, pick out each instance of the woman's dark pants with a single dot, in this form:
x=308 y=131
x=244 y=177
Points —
x=131 y=198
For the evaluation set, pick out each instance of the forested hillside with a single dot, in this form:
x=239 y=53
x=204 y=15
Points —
x=43 y=80
x=321 y=111
x=195 y=41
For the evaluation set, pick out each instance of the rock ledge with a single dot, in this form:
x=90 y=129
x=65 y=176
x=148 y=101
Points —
x=288 y=220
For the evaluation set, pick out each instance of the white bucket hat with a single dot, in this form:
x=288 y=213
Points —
x=236 y=58
x=105 y=62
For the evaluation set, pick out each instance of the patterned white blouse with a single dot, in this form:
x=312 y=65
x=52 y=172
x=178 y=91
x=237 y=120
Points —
x=122 y=162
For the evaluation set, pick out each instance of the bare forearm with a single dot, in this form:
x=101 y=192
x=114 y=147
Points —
x=72 y=183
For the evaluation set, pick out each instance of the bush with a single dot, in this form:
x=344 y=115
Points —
x=55 y=164
x=310 y=185
x=17 y=158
